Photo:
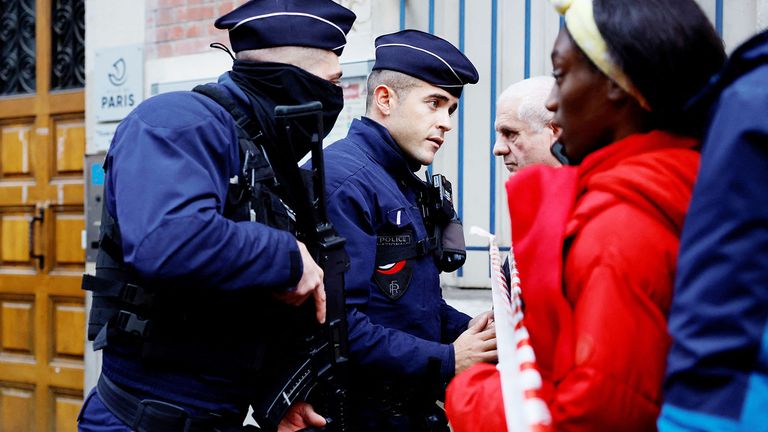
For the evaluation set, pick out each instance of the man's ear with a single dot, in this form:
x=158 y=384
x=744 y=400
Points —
x=384 y=98
x=556 y=130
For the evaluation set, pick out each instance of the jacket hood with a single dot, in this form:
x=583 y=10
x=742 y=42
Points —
x=747 y=57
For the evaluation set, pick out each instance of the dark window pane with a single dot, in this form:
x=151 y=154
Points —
x=67 y=44
x=17 y=47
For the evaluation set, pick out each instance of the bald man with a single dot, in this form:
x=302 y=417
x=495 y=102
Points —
x=524 y=127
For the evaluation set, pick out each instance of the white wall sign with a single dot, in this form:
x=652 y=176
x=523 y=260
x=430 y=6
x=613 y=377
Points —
x=118 y=82
x=102 y=136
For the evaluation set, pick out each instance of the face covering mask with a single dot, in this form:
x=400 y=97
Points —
x=271 y=84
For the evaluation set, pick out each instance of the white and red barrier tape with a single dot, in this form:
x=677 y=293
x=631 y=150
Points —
x=520 y=379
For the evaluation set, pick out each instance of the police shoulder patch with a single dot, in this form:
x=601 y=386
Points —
x=393 y=279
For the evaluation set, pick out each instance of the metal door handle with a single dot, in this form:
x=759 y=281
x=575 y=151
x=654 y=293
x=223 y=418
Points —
x=40 y=216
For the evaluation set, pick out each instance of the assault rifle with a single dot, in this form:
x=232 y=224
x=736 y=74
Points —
x=319 y=373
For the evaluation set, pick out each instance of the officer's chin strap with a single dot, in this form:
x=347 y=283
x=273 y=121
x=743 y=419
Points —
x=221 y=46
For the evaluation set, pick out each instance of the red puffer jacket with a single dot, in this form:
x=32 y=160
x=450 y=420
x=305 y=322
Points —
x=601 y=338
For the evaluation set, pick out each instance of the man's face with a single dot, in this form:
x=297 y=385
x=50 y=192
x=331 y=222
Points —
x=517 y=142
x=419 y=120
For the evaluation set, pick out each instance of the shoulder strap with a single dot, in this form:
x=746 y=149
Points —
x=248 y=130
x=256 y=166
x=243 y=121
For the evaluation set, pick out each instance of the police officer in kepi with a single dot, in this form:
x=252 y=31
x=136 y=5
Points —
x=199 y=276
x=406 y=343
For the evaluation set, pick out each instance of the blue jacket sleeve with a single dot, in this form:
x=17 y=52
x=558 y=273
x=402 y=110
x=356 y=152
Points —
x=720 y=309
x=387 y=349
x=168 y=172
x=454 y=322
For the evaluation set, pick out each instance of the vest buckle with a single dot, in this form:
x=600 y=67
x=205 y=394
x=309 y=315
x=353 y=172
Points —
x=136 y=296
x=130 y=323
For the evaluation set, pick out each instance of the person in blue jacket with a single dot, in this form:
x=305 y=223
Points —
x=199 y=271
x=405 y=342
x=717 y=370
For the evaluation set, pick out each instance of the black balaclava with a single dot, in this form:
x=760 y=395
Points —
x=270 y=84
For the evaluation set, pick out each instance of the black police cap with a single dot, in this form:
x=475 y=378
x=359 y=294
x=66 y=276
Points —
x=426 y=57
x=273 y=23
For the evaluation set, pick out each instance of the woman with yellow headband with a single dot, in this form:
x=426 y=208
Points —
x=596 y=242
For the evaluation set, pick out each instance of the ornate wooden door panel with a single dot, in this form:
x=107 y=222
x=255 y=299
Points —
x=42 y=143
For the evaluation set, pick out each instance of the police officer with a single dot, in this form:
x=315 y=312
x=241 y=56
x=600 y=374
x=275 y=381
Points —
x=405 y=341
x=199 y=271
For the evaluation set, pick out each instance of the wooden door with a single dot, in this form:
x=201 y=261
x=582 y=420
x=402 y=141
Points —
x=42 y=143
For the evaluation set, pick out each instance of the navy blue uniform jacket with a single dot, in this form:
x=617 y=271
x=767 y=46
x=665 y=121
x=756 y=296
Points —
x=368 y=192
x=168 y=170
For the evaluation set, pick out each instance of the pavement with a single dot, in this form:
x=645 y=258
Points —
x=471 y=301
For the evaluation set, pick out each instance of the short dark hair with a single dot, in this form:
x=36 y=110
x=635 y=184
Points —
x=397 y=81
x=668 y=48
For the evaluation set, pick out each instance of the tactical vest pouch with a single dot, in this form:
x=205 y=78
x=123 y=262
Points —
x=451 y=250
x=440 y=218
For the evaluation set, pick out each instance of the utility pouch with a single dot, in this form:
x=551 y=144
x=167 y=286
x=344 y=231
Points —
x=440 y=218
x=451 y=250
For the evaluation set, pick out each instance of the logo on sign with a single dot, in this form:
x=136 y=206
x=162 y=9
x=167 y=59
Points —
x=118 y=76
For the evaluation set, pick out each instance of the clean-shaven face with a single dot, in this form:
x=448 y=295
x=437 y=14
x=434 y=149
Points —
x=419 y=120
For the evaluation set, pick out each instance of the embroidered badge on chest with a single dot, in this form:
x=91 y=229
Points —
x=393 y=279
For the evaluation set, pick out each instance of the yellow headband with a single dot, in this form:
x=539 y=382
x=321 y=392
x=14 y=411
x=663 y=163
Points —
x=580 y=21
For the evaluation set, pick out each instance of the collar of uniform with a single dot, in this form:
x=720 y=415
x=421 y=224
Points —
x=376 y=140
x=237 y=93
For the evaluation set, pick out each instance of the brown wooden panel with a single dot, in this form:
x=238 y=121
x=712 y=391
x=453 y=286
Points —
x=14 y=237
x=16 y=369
x=17 y=409
x=66 y=406
x=68 y=328
x=17 y=322
x=15 y=150
x=70 y=146
x=69 y=244
x=70 y=193
x=14 y=193
x=17 y=106
x=67 y=101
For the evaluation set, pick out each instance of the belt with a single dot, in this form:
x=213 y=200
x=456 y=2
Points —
x=148 y=415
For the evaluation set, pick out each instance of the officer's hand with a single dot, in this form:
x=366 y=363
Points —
x=299 y=416
x=484 y=315
x=311 y=283
x=476 y=344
